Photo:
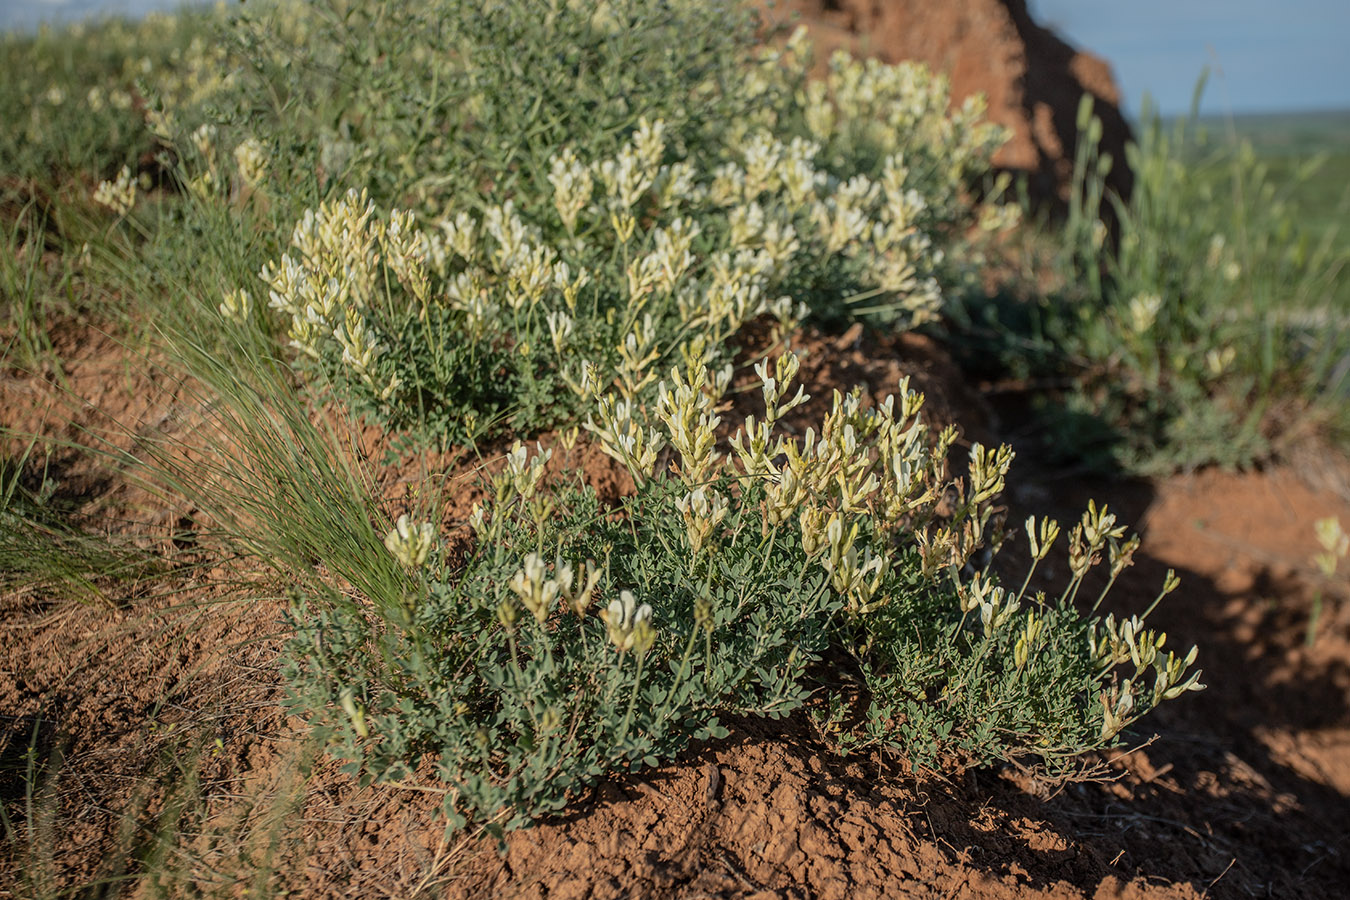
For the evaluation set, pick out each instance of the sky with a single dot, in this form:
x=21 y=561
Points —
x=1263 y=55
x=28 y=13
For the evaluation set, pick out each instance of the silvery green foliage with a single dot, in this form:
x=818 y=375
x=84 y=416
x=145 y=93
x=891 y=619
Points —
x=574 y=640
x=534 y=190
x=523 y=681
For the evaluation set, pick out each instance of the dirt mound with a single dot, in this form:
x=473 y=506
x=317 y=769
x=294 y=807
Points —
x=1033 y=79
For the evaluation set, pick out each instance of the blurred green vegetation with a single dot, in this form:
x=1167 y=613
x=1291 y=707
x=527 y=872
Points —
x=1200 y=321
x=1287 y=143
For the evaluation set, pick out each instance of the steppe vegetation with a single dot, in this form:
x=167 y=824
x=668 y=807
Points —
x=416 y=269
x=1210 y=327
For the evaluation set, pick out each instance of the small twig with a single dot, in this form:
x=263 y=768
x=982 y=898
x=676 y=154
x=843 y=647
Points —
x=1220 y=875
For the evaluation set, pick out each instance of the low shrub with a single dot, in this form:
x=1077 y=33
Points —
x=764 y=194
x=567 y=639
x=524 y=215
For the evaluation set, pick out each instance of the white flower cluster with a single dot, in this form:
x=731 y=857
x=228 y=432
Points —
x=1335 y=543
x=1129 y=642
x=1143 y=312
x=118 y=195
x=237 y=306
x=327 y=288
x=572 y=187
x=538 y=593
x=204 y=139
x=410 y=543
x=251 y=159
x=872 y=479
x=629 y=624
x=116 y=98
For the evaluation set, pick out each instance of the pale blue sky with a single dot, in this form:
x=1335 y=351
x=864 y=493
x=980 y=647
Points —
x=28 y=13
x=1264 y=55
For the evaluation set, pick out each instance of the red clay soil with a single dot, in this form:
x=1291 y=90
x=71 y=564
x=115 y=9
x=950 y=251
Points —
x=161 y=741
x=1031 y=77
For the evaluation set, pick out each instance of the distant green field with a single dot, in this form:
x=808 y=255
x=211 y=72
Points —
x=1307 y=156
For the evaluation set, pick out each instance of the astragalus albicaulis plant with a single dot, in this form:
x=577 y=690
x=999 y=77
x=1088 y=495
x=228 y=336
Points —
x=633 y=263
x=633 y=228
x=569 y=638
x=427 y=103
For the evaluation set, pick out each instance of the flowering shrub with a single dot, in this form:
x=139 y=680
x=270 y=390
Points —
x=447 y=328
x=458 y=97
x=565 y=213
x=826 y=197
x=572 y=640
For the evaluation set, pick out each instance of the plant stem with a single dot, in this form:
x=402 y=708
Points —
x=632 y=698
x=1313 y=620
